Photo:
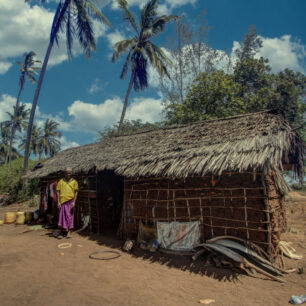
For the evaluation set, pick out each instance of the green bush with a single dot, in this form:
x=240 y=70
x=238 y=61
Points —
x=11 y=181
x=298 y=187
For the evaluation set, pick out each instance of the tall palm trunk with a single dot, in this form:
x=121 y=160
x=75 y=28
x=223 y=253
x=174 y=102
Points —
x=126 y=102
x=13 y=131
x=33 y=109
x=39 y=84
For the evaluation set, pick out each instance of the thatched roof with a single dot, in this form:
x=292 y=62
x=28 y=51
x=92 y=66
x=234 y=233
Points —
x=251 y=142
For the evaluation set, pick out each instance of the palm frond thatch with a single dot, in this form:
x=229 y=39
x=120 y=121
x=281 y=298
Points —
x=253 y=142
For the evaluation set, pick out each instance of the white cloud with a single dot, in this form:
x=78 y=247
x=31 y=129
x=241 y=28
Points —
x=114 y=37
x=163 y=8
x=25 y=28
x=282 y=53
x=40 y=119
x=93 y=118
x=146 y=109
x=177 y=3
x=4 y=66
x=65 y=144
x=6 y=105
x=97 y=86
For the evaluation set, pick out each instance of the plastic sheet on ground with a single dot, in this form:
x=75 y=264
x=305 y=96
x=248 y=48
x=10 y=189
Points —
x=178 y=235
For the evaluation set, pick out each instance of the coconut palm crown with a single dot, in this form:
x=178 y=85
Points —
x=73 y=17
x=50 y=142
x=141 y=49
x=27 y=70
x=19 y=118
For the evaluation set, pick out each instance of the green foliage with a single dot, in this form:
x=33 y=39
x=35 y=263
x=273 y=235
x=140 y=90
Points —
x=211 y=96
x=298 y=187
x=140 y=48
x=11 y=181
x=27 y=69
x=251 y=88
x=34 y=201
x=44 y=140
x=250 y=45
x=129 y=127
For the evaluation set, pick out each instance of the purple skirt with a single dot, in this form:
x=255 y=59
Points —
x=66 y=216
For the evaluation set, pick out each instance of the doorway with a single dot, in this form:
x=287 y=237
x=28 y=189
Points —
x=110 y=200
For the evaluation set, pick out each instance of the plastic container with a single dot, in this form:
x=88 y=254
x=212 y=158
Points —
x=28 y=217
x=20 y=218
x=10 y=217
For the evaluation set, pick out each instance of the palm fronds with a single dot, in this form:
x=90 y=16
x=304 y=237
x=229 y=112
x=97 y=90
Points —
x=128 y=15
x=97 y=13
x=84 y=29
x=148 y=13
x=141 y=49
x=159 y=24
x=122 y=47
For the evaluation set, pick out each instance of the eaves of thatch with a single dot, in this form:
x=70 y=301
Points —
x=251 y=142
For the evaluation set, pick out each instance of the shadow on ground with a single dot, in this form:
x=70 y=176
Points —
x=184 y=263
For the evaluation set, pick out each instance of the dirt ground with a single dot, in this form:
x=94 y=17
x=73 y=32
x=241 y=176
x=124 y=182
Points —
x=34 y=271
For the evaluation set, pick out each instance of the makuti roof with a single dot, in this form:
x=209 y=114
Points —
x=251 y=142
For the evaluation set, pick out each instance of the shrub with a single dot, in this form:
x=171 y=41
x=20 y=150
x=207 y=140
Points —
x=11 y=181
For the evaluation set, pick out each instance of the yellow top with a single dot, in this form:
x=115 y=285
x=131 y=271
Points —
x=66 y=189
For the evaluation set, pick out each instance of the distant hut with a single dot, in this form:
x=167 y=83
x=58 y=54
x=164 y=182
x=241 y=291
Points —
x=225 y=173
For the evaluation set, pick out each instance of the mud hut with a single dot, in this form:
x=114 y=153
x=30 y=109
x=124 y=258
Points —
x=225 y=173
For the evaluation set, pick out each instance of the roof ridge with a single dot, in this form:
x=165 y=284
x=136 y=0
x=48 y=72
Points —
x=176 y=126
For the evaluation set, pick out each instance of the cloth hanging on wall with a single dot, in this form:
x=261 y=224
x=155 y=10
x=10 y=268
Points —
x=178 y=236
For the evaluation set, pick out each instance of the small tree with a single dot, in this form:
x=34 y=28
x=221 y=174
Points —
x=190 y=56
x=128 y=127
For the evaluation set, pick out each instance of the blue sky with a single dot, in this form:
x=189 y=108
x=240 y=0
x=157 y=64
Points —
x=85 y=95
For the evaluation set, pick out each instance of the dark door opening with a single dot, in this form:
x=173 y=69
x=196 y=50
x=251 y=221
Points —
x=110 y=200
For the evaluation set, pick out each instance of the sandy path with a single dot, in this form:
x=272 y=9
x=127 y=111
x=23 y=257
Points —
x=33 y=272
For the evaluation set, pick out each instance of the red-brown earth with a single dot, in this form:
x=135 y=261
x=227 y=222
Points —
x=34 y=271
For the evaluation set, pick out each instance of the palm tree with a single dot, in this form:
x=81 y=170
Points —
x=73 y=17
x=27 y=69
x=36 y=144
x=4 y=144
x=49 y=140
x=140 y=48
x=4 y=139
x=17 y=121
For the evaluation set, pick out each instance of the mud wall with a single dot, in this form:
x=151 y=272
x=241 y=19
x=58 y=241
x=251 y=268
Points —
x=232 y=204
x=277 y=212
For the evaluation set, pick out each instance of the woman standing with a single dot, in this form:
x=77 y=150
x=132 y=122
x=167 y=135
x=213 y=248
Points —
x=67 y=192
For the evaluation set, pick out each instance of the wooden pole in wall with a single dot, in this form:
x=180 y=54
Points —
x=267 y=209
